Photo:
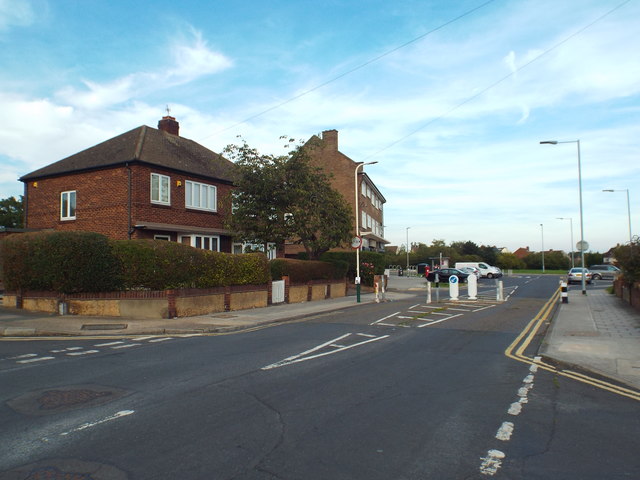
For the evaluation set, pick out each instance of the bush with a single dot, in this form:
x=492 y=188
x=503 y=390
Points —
x=371 y=263
x=628 y=259
x=300 y=271
x=223 y=269
x=66 y=262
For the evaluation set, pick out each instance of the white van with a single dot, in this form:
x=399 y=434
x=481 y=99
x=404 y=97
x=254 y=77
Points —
x=485 y=270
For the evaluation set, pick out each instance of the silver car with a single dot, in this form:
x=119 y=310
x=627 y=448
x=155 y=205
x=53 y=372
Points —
x=575 y=275
x=599 y=272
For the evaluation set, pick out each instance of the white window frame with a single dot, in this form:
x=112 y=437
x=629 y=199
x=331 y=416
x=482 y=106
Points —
x=67 y=210
x=166 y=238
x=159 y=178
x=203 y=240
x=207 y=194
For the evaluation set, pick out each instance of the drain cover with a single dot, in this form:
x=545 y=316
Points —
x=61 y=399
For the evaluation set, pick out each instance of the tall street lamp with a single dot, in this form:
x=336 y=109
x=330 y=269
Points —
x=628 y=209
x=571 y=226
x=542 y=233
x=408 y=250
x=582 y=242
x=357 y=193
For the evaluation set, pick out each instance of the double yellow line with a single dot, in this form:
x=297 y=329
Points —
x=517 y=348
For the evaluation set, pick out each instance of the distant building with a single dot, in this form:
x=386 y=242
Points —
x=522 y=252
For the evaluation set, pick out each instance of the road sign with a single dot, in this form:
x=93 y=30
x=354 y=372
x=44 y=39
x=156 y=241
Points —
x=453 y=279
x=582 y=246
x=356 y=242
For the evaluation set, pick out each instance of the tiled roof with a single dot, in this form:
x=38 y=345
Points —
x=145 y=145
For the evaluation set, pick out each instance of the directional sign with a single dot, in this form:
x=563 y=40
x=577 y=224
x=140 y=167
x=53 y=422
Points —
x=453 y=279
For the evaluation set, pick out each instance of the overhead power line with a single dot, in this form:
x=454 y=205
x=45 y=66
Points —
x=354 y=69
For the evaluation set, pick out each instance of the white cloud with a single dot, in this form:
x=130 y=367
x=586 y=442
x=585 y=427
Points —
x=17 y=13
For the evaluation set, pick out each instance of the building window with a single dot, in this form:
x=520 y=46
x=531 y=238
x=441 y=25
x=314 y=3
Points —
x=68 y=205
x=160 y=189
x=166 y=238
x=206 y=242
x=200 y=196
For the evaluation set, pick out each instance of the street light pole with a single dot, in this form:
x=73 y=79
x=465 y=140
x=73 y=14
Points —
x=582 y=243
x=542 y=233
x=357 y=193
x=571 y=225
x=628 y=209
x=408 y=250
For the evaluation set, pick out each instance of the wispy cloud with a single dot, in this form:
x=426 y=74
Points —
x=15 y=14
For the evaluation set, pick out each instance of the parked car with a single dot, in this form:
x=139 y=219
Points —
x=445 y=273
x=598 y=272
x=471 y=271
x=485 y=269
x=575 y=275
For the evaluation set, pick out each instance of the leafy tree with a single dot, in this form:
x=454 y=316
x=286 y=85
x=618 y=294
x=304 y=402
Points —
x=508 y=261
x=628 y=259
x=283 y=197
x=11 y=212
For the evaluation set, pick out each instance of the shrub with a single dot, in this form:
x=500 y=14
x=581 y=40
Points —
x=628 y=259
x=304 y=270
x=66 y=262
x=371 y=263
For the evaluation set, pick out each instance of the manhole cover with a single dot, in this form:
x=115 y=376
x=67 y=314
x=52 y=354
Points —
x=55 y=400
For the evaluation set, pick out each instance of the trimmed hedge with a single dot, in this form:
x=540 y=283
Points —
x=371 y=263
x=300 y=271
x=74 y=262
x=67 y=262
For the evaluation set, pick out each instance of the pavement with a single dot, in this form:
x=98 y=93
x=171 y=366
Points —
x=597 y=332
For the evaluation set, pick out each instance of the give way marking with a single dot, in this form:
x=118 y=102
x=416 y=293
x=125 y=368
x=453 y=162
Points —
x=335 y=345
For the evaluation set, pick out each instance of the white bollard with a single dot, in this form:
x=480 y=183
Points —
x=499 y=291
x=454 y=287
x=428 y=292
x=472 y=287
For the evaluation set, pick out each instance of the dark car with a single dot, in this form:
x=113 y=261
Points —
x=599 y=272
x=445 y=273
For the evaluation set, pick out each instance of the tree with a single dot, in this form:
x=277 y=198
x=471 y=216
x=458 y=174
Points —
x=628 y=259
x=508 y=261
x=11 y=212
x=283 y=197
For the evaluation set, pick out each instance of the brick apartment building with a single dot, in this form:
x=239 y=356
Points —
x=145 y=183
x=324 y=153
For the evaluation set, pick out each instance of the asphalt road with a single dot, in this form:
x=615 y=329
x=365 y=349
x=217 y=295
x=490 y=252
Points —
x=396 y=390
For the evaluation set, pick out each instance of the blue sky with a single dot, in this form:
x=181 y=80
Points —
x=450 y=98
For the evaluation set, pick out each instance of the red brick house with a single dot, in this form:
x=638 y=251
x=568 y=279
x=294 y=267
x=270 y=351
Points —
x=145 y=183
x=324 y=153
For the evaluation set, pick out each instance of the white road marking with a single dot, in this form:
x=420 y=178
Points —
x=160 y=339
x=483 y=308
x=40 y=359
x=438 y=321
x=189 y=335
x=492 y=462
x=84 y=426
x=26 y=355
x=86 y=352
x=384 y=318
x=129 y=345
x=515 y=408
x=366 y=335
x=505 y=431
x=139 y=339
x=302 y=357
x=528 y=379
x=108 y=344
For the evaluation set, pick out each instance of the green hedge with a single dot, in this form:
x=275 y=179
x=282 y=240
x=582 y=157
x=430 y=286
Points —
x=73 y=262
x=67 y=262
x=304 y=270
x=371 y=263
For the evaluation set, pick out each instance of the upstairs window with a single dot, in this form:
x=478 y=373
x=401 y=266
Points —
x=200 y=196
x=68 y=205
x=160 y=189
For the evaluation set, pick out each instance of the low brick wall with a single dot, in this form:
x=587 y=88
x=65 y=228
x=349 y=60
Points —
x=630 y=294
x=170 y=303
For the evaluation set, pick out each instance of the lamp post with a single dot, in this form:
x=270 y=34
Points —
x=408 y=250
x=628 y=209
x=542 y=233
x=357 y=193
x=571 y=225
x=582 y=242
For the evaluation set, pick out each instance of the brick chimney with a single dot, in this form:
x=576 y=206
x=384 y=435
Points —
x=330 y=138
x=168 y=124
